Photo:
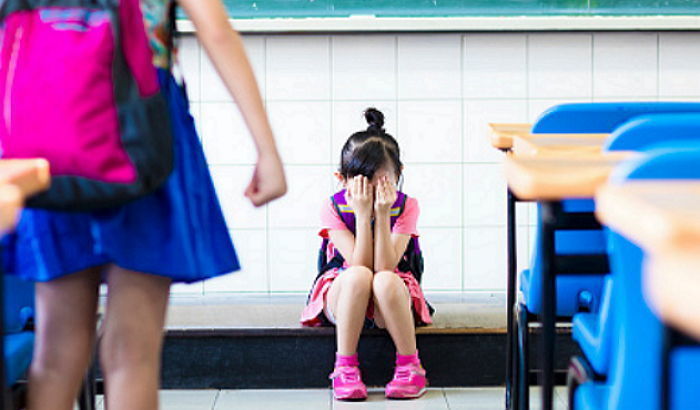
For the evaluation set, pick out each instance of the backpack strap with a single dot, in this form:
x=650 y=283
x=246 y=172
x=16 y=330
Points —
x=346 y=214
x=398 y=207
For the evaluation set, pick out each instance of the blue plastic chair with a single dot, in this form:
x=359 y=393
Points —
x=593 y=332
x=603 y=117
x=18 y=311
x=648 y=132
x=668 y=131
x=575 y=293
x=632 y=127
x=634 y=379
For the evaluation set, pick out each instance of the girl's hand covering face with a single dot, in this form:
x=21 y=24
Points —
x=385 y=195
x=360 y=196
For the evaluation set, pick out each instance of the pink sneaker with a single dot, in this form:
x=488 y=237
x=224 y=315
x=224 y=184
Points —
x=347 y=383
x=409 y=382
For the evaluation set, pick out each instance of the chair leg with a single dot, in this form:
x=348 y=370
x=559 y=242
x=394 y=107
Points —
x=511 y=348
x=86 y=398
x=523 y=358
x=6 y=401
x=514 y=338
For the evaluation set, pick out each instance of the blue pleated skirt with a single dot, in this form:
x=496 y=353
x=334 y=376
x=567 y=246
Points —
x=178 y=231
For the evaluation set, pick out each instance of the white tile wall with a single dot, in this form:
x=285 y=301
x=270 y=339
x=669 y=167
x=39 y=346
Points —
x=302 y=129
x=484 y=195
x=251 y=247
x=443 y=258
x=477 y=115
x=495 y=66
x=364 y=67
x=293 y=257
x=438 y=92
x=559 y=65
x=429 y=67
x=430 y=131
x=625 y=64
x=679 y=61
x=298 y=68
x=224 y=134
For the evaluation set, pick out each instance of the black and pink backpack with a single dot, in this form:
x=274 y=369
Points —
x=78 y=87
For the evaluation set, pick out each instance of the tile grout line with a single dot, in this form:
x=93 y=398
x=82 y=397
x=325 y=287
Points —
x=444 y=396
x=462 y=67
x=593 y=42
x=216 y=400
x=658 y=66
x=331 y=102
x=268 y=273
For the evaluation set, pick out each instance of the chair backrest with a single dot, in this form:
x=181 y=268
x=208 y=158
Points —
x=602 y=117
x=635 y=372
x=651 y=131
x=569 y=242
x=18 y=303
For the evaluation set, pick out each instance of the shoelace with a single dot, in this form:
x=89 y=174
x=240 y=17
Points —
x=403 y=374
x=347 y=374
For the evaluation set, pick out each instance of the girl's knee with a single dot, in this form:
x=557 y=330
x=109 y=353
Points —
x=129 y=349
x=387 y=285
x=359 y=277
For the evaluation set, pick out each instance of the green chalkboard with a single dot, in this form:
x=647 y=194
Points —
x=250 y=9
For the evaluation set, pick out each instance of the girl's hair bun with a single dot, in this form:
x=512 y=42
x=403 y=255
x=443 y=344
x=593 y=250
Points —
x=375 y=119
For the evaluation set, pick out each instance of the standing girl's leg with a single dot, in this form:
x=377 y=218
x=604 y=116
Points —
x=132 y=338
x=347 y=300
x=66 y=315
x=393 y=305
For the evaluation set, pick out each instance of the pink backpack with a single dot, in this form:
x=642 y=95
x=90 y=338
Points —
x=79 y=88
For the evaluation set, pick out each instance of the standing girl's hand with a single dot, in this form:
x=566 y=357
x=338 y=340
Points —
x=268 y=181
x=360 y=196
x=225 y=49
x=385 y=196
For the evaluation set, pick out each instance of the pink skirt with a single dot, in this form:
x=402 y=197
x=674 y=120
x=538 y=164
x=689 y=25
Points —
x=311 y=315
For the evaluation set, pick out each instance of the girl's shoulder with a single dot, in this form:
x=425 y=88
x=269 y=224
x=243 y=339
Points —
x=410 y=200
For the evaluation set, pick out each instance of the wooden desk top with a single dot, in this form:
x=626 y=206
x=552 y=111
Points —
x=655 y=214
x=502 y=134
x=555 y=177
x=518 y=137
x=672 y=286
x=558 y=144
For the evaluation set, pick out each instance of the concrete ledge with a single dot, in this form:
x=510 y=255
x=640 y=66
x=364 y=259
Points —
x=458 y=24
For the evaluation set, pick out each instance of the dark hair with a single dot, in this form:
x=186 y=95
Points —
x=366 y=152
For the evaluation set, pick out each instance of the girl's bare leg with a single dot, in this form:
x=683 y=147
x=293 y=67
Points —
x=132 y=338
x=392 y=304
x=66 y=314
x=347 y=299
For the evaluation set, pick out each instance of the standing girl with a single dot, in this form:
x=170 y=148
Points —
x=368 y=269
x=176 y=234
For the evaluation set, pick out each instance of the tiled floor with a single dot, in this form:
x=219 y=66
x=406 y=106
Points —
x=435 y=399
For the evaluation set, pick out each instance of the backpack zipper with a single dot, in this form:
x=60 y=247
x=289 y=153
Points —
x=11 y=68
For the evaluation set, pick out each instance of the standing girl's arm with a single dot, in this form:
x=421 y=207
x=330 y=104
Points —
x=357 y=249
x=388 y=248
x=225 y=49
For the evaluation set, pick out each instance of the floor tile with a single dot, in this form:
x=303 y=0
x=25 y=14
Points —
x=303 y=399
x=492 y=398
x=187 y=399
x=433 y=399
